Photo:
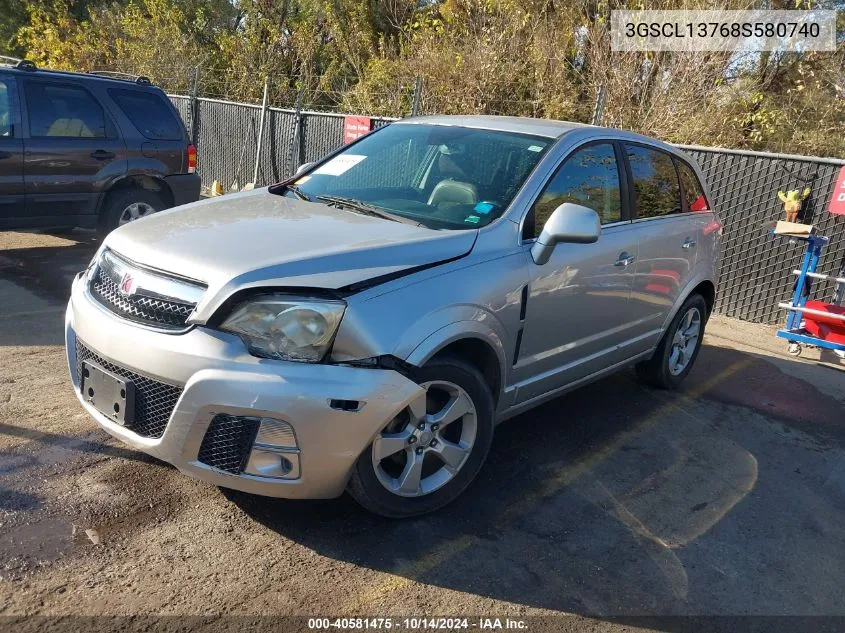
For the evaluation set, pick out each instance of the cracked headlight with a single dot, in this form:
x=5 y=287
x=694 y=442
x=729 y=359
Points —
x=286 y=328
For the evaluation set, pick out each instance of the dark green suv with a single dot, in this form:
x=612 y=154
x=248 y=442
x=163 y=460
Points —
x=88 y=149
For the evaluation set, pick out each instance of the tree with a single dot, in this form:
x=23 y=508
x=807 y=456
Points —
x=542 y=58
x=14 y=16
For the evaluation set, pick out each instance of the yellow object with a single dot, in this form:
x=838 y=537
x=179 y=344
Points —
x=792 y=202
x=216 y=188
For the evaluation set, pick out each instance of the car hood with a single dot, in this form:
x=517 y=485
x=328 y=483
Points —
x=256 y=238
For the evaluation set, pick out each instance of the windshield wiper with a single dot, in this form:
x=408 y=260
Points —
x=368 y=209
x=299 y=193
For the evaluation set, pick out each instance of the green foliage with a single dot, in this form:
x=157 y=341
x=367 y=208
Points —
x=542 y=58
x=13 y=16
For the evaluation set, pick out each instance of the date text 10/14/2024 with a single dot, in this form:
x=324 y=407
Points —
x=417 y=623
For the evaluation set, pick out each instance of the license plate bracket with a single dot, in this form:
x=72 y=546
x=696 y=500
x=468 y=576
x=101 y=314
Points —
x=109 y=394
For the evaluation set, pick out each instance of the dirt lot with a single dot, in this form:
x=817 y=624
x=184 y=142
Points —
x=727 y=497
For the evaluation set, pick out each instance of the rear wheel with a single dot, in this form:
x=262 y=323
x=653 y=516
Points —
x=428 y=454
x=127 y=205
x=678 y=348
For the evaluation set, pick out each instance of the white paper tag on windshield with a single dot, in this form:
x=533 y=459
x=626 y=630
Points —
x=339 y=164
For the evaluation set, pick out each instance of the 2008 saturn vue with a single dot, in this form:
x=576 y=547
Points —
x=365 y=325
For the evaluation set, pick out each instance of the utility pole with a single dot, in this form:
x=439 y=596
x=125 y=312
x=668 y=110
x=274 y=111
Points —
x=261 y=129
x=296 y=145
x=195 y=86
x=415 y=104
x=598 y=110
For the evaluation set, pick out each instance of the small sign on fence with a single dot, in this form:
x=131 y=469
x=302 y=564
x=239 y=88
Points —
x=355 y=126
x=837 y=200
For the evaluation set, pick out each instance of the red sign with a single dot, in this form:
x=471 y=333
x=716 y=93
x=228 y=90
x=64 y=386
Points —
x=837 y=200
x=355 y=126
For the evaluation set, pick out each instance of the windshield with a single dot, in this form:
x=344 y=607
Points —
x=444 y=177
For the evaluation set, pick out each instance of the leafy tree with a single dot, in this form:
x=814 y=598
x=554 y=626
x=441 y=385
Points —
x=542 y=58
x=14 y=16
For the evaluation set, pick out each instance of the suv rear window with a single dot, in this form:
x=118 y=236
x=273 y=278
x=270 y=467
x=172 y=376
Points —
x=693 y=191
x=655 y=182
x=148 y=113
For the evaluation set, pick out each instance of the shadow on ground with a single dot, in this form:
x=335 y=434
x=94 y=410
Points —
x=617 y=500
x=65 y=444
x=35 y=286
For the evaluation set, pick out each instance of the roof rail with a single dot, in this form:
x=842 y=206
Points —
x=114 y=74
x=23 y=64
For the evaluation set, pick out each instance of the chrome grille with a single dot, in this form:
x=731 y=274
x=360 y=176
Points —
x=227 y=442
x=148 y=297
x=154 y=400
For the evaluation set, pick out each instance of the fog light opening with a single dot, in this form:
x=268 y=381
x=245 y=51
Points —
x=285 y=467
x=268 y=462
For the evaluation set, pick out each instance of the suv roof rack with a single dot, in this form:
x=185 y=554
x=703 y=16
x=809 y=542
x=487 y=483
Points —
x=114 y=74
x=23 y=64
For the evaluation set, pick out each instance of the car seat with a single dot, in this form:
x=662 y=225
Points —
x=449 y=193
x=70 y=127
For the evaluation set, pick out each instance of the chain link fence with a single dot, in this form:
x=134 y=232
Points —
x=226 y=134
x=755 y=266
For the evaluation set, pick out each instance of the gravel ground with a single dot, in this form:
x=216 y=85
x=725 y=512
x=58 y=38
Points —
x=610 y=503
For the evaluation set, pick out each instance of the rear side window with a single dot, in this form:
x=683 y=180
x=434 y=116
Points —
x=62 y=111
x=693 y=191
x=8 y=108
x=148 y=112
x=655 y=182
x=590 y=177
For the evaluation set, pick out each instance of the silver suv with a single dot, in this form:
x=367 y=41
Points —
x=366 y=324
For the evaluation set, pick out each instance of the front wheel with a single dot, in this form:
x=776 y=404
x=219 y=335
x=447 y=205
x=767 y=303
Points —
x=428 y=454
x=675 y=354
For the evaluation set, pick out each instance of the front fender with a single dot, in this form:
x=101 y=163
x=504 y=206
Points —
x=426 y=336
x=413 y=322
x=438 y=340
x=485 y=331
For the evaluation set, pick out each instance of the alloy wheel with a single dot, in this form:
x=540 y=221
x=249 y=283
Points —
x=685 y=341
x=135 y=211
x=427 y=444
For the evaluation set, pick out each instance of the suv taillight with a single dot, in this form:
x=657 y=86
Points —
x=192 y=158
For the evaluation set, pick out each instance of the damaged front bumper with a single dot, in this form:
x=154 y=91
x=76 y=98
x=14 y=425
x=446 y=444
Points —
x=308 y=422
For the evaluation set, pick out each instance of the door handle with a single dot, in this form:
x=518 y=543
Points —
x=688 y=244
x=102 y=154
x=624 y=260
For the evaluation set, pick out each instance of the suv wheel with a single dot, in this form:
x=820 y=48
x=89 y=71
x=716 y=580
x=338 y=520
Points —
x=424 y=459
x=678 y=348
x=128 y=205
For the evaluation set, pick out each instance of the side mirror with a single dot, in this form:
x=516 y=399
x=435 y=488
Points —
x=303 y=167
x=570 y=223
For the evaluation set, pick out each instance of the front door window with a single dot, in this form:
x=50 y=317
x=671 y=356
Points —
x=590 y=177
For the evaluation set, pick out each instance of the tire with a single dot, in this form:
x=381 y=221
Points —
x=118 y=202
x=659 y=371
x=368 y=483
